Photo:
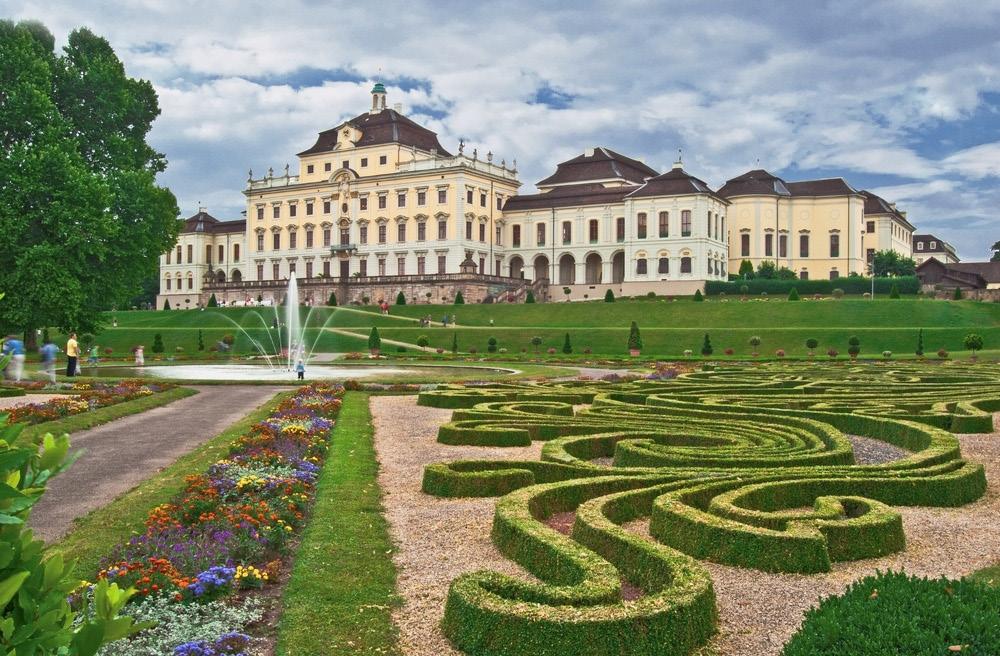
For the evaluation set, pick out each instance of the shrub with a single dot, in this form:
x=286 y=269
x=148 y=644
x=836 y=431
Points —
x=166 y=304
x=688 y=353
x=754 y=342
x=793 y=294
x=894 y=291
x=887 y=354
x=158 y=343
x=698 y=296
x=634 y=339
x=958 y=294
x=491 y=345
x=854 y=346
x=459 y=299
x=332 y=301
x=201 y=341
x=706 y=346
x=609 y=296
x=567 y=347
x=439 y=350
x=838 y=293
x=550 y=351
x=973 y=342
x=529 y=297
x=780 y=353
x=502 y=350
x=536 y=341
x=587 y=350
x=729 y=351
x=179 y=349
x=108 y=351
x=942 y=353
x=454 y=343
x=849 y=285
x=650 y=294
x=832 y=353
x=811 y=344
x=473 y=350
x=400 y=298
x=911 y=615
x=400 y=349
x=920 y=343
x=422 y=341
x=374 y=340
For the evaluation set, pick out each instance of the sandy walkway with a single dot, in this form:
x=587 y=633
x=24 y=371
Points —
x=436 y=539
x=121 y=454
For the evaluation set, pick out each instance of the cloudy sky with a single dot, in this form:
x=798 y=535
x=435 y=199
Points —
x=902 y=98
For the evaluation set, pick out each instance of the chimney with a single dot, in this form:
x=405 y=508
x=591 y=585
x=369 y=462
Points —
x=589 y=152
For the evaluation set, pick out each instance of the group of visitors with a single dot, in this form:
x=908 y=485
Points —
x=48 y=351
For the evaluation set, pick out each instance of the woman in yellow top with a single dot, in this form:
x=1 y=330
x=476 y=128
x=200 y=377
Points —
x=72 y=353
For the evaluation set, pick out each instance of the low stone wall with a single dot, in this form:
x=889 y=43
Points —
x=988 y=295
x=625 y=289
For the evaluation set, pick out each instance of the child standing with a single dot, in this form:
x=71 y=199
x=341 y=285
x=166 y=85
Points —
x=300 y=369
x=140 y=356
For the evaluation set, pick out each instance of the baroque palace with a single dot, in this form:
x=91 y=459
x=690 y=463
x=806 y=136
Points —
x=379 y=207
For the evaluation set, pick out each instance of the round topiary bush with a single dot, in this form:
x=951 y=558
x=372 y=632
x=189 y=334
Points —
x=887 y=354
x=838 y=293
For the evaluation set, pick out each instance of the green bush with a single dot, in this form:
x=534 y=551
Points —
x=460 y=300
x=920 y=342
x=609 y=296
x=536 y=341
x=811 y=344
x=894 y=291
x=893 y=612
x=423 y=341
x=958 y=294
x=698 y=295
x=212 y=302
x=854 y=346
x=567 y=347
x=793 y=294
x=850 y=285
x=706 y=346
x=973 y=342
x=529 y=297
x=491 y=345
x=374 y=340
x=166 y=304
x=454 y=342
x=201 y=341
x=400 y=298
x=158 y=343
x=634 y=339
x=332 y=301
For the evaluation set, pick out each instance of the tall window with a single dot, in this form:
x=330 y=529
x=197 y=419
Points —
x=236 y=252
x=708 y=225
x=291 y=269
x=421 y=232
x=345 y=236
x=167 y=257
x=834 y=274
x=382 y=234
x=685 y=223
x=468 y=230
x=326 y=206
x=420 y=264
x=664 y=265
x=870 y=226
x=400 y=266
x=442 y=230
x=260 y=272
x=744 y=245
x=326 y=268
x=363 y=234
x=442 y=196
x=782 y=245
x=499 y=202
x=482 y=232
x=482 y=199
x=190 y=282
x=190 y=254
x=442 y=263
x=401 y=200
x=803 y=245
x=260 y=213
x=567 y=232
x=497 y=237
x=292 y=239
x=309 y=269
x=275 y=271
x=592 y=231
x=421 y=198
x=516 y=236
x=468 y=196
x=640 y=266
x=326 y=237
x=309 y=239
x=834 y=245
x=363 y=204
x=382 y=202
x=276 y=211
x=381 y=266
x=685 y=265
x=401 y=232
x=540 y=237
x=640 y=225
x=664 y=224
x=260 y=241
x=803 y=275
x=309 y=209
x=168 y=284
x=768 y=245
x=482 y=265
x=620 y=229
x=208 y=254
x=292 y=210
x=363 y=268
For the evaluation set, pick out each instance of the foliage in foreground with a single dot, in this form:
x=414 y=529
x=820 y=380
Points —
x=893 y=613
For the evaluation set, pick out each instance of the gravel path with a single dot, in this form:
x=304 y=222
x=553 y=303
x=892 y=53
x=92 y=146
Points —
x=436 y=539
x=121 y=454
x=875 y=452
x=8 y=402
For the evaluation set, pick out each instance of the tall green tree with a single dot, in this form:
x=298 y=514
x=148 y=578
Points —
x=83 y=220
x=996 y=251
x=891 y=263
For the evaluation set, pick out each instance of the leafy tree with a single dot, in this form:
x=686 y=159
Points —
x=491 y=345
x=529 y=297
x=374 y=340
x=811 y=344
x=212 y=302
x=698 y=298
x=706 y=346
x=609 y=296
x=634 y=339
x=754 y=342
x=793 y=294
x=454 y=342
x=784 y=273
x=158 y=343
x=567 y=347
x=332 y=301
x=958 y=294
x=920 y=342
x=854 y=346
x=201 y=341
x=746 y=270
x=166 y=304
x=459 y=299
x=767 y=270
x=996 y=251
x=536 y=341
x=973 y=342
x=891 y=263
x=83 y=220
x=422 y=341
x=400 y=298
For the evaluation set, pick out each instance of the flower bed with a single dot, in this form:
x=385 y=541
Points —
x=224 y=536
x=84 y=397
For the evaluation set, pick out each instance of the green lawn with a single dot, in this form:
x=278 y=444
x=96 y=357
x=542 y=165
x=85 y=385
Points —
x=668 y=328
x=342 y=589
x=94 y=534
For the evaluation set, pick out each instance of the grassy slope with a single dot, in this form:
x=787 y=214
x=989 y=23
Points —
x=343 y=583
x=668 y=327
x=94 y=535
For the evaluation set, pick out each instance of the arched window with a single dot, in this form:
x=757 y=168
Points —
x=640 y=266
x=664 y=265
x=685 y=265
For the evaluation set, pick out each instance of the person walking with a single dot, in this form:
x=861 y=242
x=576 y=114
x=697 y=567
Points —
x=72 y=353
x=300 y=369
x=15 y=349
x=140 y=356
x=92 y=360
x=48 y=352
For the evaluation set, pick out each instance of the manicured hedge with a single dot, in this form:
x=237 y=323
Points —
x=850 y=285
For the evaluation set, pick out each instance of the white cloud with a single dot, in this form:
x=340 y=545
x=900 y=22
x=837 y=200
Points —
x=977 y=162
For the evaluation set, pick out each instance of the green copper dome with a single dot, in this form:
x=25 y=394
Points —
x=378 y=88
